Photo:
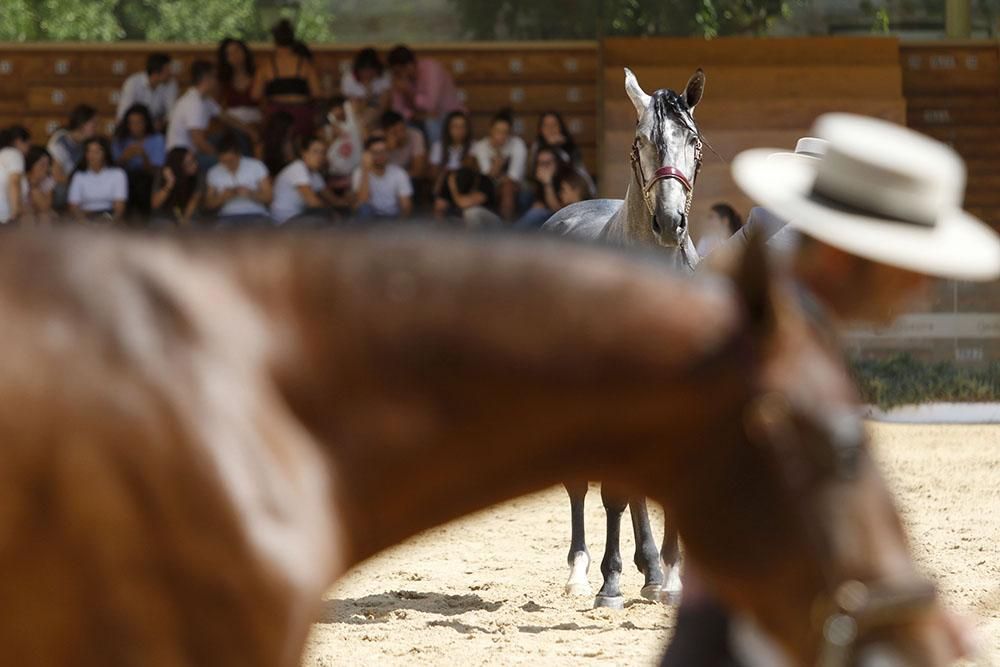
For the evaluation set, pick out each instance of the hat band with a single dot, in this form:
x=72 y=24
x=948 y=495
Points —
x=832 y=202
x=809 y=154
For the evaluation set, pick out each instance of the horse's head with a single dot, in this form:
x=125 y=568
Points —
x=666 y=155
x=799 y=529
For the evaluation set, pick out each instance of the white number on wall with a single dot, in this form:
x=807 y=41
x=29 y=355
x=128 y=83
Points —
x=62 y=67
x=6 y=67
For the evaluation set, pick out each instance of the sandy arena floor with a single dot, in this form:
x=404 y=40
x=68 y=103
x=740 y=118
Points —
x=488 y=589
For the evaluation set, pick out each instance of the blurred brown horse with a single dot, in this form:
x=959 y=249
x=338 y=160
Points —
x=198 y=436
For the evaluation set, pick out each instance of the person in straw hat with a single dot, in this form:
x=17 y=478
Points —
x=865 y=214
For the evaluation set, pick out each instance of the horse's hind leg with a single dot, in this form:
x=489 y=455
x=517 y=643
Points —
x=647 y=555
x=610 y=594
x=579 y=557
x=671 y=554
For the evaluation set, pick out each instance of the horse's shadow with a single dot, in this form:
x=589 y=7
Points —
x=383 y=607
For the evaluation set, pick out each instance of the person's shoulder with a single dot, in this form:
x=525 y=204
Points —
x=114 y=172
x=294 y=171
x=252 y=164
x=395 y=171
x=214 y=172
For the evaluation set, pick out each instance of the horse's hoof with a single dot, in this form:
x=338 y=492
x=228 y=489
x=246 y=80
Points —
x=577 y=589
x=652 y=592
x=608 y=602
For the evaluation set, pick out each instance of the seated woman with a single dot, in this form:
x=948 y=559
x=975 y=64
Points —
x=98 y=190
x=288 y=81
x=467 y=195
x=140 y=151
x=453 y=151
x=542 y=193
x=571 y=186
x=367 y=85
x=503 y=157
x=178 y=190
x=554 y=134
x=37 y=188
x=301 y=196
x=236 y=70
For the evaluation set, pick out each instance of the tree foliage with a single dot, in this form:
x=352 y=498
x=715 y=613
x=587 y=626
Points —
x=153 y=20
x=586 y=19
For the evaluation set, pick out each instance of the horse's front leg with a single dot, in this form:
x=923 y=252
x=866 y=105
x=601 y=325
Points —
x=647 y=555
x=579 y=556
x=671 y=554
x=610 y=595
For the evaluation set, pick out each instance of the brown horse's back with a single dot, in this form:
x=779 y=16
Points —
x=124 y=541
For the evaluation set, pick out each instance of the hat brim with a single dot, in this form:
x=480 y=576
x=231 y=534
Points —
x=958 y=246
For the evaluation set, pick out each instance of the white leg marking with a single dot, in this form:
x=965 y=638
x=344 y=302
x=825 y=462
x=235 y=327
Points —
x=578 y=584
x=672 y=586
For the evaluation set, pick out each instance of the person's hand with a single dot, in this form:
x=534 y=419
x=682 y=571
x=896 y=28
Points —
x=169 y=180
x=545 y=173
x=243 y=191
x=366 y=161
x=133 y=151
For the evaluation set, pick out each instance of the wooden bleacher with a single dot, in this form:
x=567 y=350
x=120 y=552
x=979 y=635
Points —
x=40 y=83
x=759 y=92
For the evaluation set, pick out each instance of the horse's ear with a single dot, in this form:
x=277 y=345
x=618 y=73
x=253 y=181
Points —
x=755 y=285
x=640 y=100
x=695 y=89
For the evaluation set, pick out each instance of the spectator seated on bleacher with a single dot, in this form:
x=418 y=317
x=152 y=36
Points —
x=553 y=133
x=453 y=150
x=367 y=85
x=469 y=196
x=194 y=111
x=236 y=71
x=301 y=196
x=37 y=188
x=407 y=148
x=423 y=91
x=141 y=151
x=178 y=190
x=342 y=134
x=66 y=148
x=571 y=186
x=541 y=190
x=238 y=188
x=288 y=81
x=381 y=190
x=503 y=157
x=155 y=89
x=98 y=190
x=15 y=142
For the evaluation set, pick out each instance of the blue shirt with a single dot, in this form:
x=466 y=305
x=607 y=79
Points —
x=154 y=145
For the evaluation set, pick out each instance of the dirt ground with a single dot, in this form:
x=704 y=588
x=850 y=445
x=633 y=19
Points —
x=487 y=590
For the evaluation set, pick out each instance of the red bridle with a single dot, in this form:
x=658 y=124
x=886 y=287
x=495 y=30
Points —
x=666 y=173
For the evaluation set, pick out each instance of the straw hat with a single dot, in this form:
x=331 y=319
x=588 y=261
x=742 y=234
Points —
x=880 y=191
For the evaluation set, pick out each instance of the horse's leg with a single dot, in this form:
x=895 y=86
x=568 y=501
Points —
x=647 y=555
x=579 y=557
x=671 y=554
x=610 y=594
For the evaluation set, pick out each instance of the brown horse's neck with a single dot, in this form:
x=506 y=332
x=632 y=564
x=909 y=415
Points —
x=456 y=375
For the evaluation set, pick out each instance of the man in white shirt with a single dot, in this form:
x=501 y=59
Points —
x=503 y=157
x=407 y=148
x=239 y=187
x=190 y=117
x=381 y=190
x=156 y=89
x=16 y=141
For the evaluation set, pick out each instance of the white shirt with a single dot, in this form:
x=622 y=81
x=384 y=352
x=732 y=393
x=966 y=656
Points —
x=98 y=191
x=384 y=191
x=136 y=90
x=514 y=152
x=11 y=163
x=454 y=160
x=250 y=174
x=192 y=112
x=352 y=88
x=288 y=201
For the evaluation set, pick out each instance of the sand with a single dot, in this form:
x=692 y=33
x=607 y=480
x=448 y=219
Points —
x=488 y=590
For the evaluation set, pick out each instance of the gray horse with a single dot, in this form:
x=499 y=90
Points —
x=664 y=159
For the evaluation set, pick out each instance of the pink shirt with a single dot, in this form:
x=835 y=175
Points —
x=435 y=93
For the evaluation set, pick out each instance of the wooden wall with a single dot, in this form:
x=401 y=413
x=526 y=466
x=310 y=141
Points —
x=39 y=83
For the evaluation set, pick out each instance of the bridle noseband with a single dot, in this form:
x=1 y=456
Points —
x=848 y=610
x=666 y=173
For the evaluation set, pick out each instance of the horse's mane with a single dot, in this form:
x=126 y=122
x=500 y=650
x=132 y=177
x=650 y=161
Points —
x=667 y=104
